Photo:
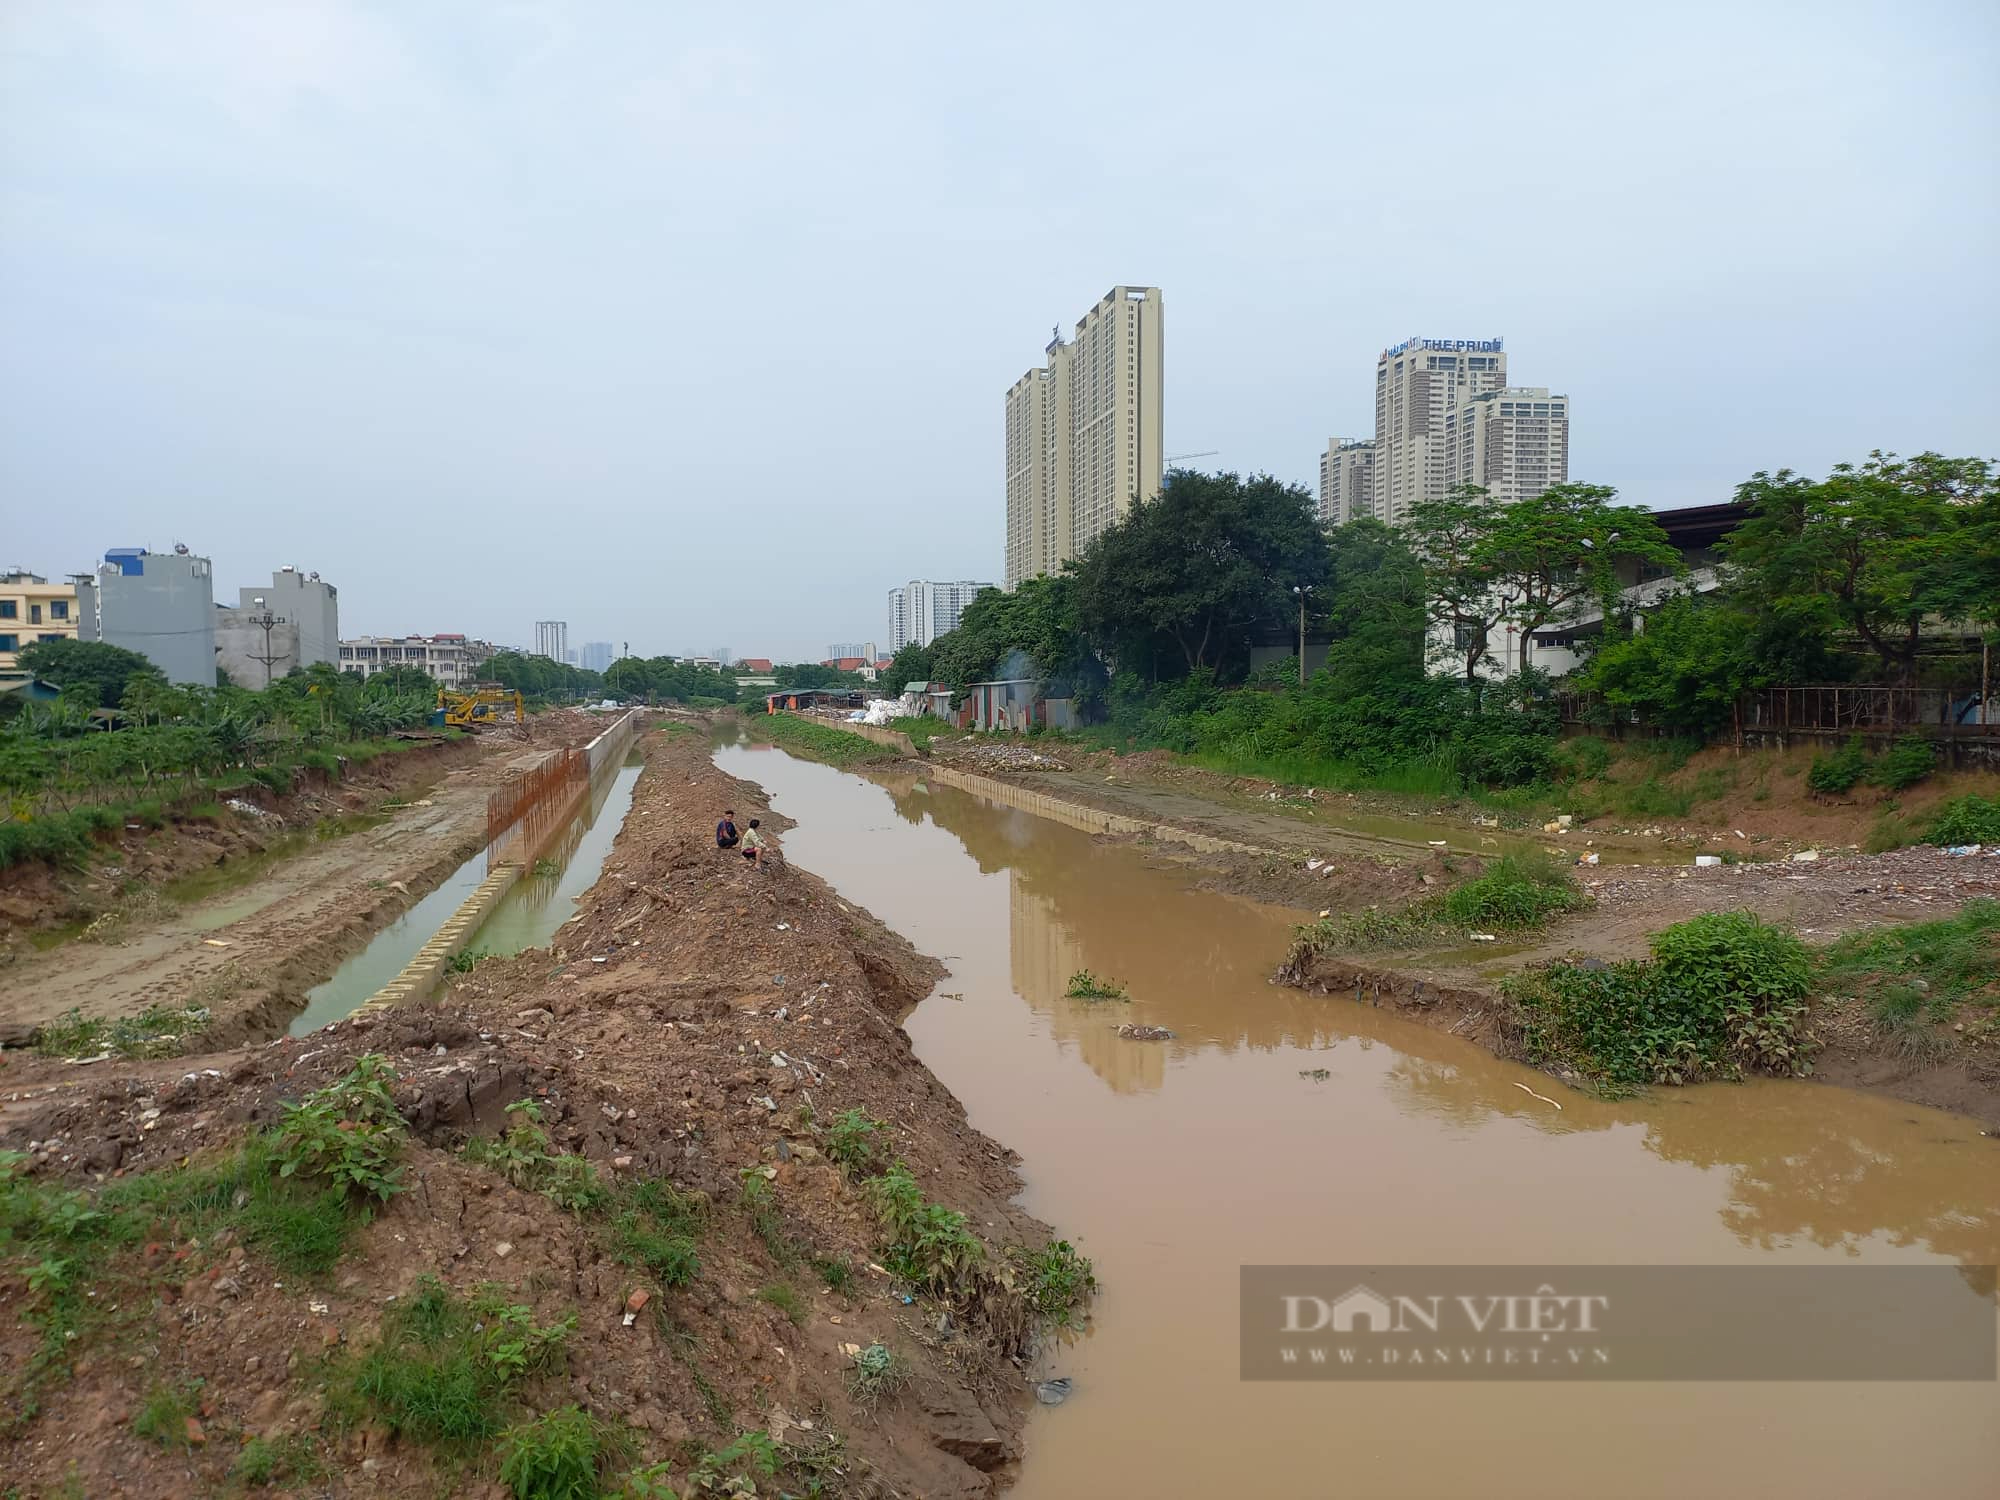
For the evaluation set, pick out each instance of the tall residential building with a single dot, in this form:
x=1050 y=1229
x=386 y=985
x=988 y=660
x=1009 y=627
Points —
x=552 y=639
x=1419 y=386
x=1083 y=432
x=1346 y=481
x=1513 y=442
x=454 y=660
x=597 y=656
x=33 y=609
x=842 y=649
x=159 y=604
x=922 y=610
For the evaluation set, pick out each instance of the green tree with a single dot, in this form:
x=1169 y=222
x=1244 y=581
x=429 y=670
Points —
x=1376 y=612
x=911 y=664
x=1685 y=669
x=94 y=668
x=1452 y=538
x=1189 y=580
x=1875 y=549
x=1553 y=553
x=1030 y=632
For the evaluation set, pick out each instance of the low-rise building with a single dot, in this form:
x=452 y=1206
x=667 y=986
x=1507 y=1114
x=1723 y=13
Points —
x=456 y=661
x=33 y=609
x=159 y=604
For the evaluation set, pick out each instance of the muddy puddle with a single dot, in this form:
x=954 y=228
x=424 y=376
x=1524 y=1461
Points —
x=527 y=916
x=1279 y=1127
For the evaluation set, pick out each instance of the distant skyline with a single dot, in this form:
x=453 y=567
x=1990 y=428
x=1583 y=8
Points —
x=695 y=322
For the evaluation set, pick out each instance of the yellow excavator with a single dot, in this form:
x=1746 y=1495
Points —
x=474 y=710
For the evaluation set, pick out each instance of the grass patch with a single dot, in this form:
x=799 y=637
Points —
x=445 y=1368
x=164 y=1415
x=785 y=1297
x=1931 y=967
x=924 y=728
x=819 y=741
x=295 y=1458
x=1723 y=994
x=158 y=1031
x=1518 y=893
x=1084 y=985
x=1058 y=1279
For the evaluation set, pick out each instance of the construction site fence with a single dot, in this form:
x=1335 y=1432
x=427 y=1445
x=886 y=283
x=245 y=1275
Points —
x=1953 y=717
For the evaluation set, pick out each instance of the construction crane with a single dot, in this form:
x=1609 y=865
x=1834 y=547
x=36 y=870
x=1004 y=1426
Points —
x=476 y=709
x=1173 y=458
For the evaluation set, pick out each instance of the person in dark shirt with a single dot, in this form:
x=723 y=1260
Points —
x=725 y=831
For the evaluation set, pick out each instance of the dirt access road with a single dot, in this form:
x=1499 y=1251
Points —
x=282 y=920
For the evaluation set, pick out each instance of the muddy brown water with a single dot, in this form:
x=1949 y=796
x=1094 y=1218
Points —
x=1174 y=1164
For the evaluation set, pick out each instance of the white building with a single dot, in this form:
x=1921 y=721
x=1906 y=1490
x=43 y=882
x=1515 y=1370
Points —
x=597 y=656
x=1420 y=384
x=1083 y=432
x=552 y=639
x=922 y=610
x=454 y=660
x=1346 y=481
x=863 y=649
x=159 y=604
x=1513 y=442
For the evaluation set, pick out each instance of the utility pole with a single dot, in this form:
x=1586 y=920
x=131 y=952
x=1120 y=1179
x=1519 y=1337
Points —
x=1302 y=591
x=267 y=622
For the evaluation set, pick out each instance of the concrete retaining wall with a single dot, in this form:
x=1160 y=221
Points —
x=1076 y=815
x=613 y=742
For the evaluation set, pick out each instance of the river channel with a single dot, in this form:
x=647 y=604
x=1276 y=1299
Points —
x=1283 y=1128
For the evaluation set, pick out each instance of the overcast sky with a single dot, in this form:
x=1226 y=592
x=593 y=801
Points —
x=691 y=323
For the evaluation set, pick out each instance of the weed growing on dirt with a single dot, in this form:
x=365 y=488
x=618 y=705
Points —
x=445 y=1367
x=929 y=1246
x=545 y=869
x=785 y=1297
x=1058 y=1279
x=348 y=1132
x=656 y=1230
x=878 y=1372
x=1723 y=993
x=466 y=960
x=158 y=1031
x=1084 y=985
x=558 y=1456
x=1965 y=820
x=166 y=1412
x=1904 y=764
x=1519 y=892
x=836 y=1271
x=851 y=1139
x=523 y=1156
x=819 y=741
x=292 y=1459
x=759 y=1200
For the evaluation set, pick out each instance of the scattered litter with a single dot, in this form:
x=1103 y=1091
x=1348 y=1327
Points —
x=1054 y=1392
x=1145 y=1033
x=600 y=959
x=216 y=943
x=1314 y=864
x=1703 y=861
x=1533 y=1095
x=1439 y=844
x=1964 y=849
x=248 y=809
x=1806 y=857
x=1483 y=937
x=1587 y=859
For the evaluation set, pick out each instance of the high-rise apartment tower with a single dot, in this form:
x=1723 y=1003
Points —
x=1083 y=432
x=1346 y=481
x=1419 y=386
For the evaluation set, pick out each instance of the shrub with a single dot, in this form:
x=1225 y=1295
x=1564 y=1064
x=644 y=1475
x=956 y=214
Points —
x=348 y=1132
x=1904 y=763
x=1582 y=759
x=1831 y=775
x=165 y=1414
x=557 y=1457
x=929 y=1245
x=1965 y=820
x=1723 y=992
x=1520 y=890
x=879 y=1371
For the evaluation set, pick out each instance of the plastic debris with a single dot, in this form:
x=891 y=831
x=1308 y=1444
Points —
x=1806 y=857
x=1703 y=861
x=1054 y=1392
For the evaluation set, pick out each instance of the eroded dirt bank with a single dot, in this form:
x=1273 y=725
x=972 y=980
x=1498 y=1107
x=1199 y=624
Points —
x=244 y=915
x=1458 y=989
x=700 y=1020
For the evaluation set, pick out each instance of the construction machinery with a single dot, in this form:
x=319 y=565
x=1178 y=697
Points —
x=477 y=709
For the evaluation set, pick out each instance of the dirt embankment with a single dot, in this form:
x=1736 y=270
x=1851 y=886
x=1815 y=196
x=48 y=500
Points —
x=244 y=914
x=1458 y=990
x=699 y=1019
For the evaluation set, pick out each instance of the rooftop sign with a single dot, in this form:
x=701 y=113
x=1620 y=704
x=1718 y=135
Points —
x=1447 y=346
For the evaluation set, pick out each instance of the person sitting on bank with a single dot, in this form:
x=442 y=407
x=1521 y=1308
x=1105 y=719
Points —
x=753 y=844
x=725 y=831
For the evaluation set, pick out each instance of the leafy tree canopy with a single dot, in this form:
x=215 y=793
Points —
x=94 y=668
